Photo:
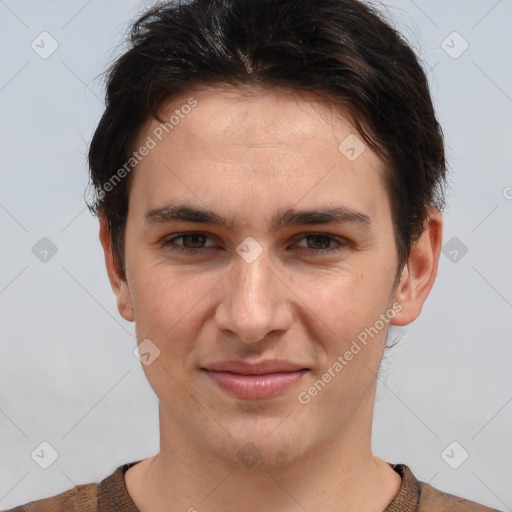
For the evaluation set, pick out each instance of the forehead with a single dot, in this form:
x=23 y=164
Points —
x=256 y=117
x=227 y=137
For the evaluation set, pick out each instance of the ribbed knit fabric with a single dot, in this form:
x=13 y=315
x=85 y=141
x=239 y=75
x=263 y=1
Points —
x=110 y=495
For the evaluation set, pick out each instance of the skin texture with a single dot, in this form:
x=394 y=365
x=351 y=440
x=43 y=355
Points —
x=246 y=156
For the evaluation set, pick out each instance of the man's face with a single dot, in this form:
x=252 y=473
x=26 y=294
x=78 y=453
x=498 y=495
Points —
x=253 y=291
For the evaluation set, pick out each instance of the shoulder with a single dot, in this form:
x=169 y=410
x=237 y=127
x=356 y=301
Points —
x=81 y=498
x=108 y=495
x=434 y=500
x=416 y=496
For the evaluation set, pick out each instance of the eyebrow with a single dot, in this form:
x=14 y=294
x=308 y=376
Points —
x=182 y=212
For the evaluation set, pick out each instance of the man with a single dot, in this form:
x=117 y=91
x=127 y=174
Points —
x=269 y=178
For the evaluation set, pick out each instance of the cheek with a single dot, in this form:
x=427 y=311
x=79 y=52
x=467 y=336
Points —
x=348 y=300
x=165 y=314
x=161 y=299
x=172 y=305
x=352 y=309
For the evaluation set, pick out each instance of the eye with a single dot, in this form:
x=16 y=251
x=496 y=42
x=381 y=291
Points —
x=195 y=239
x=324 y=241
x=317 y=243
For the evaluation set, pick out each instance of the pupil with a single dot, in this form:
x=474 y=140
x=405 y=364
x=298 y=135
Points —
x=195 y=235
x=317 y=237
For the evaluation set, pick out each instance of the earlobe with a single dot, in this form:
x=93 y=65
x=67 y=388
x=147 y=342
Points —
x=117 y=280
x=419 y=274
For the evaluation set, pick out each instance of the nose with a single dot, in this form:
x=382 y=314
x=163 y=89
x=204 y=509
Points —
x=254 y=301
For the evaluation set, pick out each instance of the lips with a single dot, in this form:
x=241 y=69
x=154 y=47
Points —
x=255 y=381
x=244 y=368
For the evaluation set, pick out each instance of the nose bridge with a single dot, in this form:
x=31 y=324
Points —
x=254 y=279
x=254 y=302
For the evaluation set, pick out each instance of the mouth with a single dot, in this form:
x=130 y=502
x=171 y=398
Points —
x=259 y=381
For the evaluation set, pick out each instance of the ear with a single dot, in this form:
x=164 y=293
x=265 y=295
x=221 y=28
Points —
x=117 y=279
x=420 y=272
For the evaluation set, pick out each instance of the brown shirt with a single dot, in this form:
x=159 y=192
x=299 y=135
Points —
x=110 y=495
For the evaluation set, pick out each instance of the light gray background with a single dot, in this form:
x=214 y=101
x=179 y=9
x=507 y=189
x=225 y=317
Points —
x=68 y=374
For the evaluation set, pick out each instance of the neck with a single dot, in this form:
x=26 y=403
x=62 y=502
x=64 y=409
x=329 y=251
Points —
x=341 y=475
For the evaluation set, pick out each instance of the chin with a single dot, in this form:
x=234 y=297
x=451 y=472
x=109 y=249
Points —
x=267 y=445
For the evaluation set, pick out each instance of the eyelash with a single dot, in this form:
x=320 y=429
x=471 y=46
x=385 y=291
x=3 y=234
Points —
x=317 y=252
